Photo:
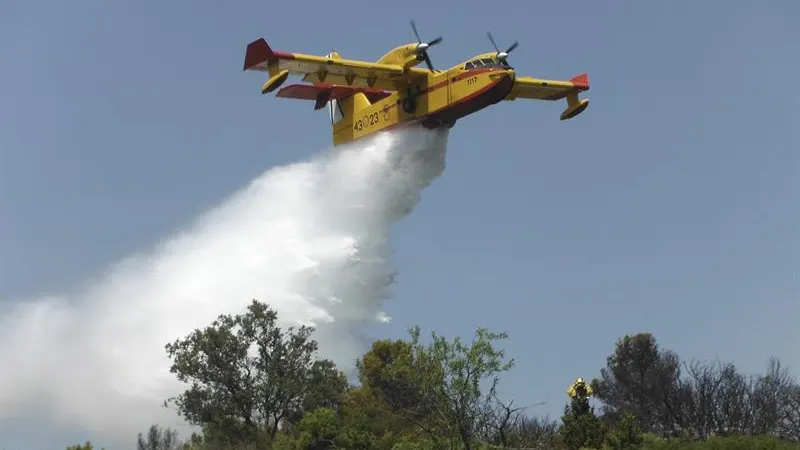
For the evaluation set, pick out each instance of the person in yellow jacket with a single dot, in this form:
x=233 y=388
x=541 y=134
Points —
x=579 y=389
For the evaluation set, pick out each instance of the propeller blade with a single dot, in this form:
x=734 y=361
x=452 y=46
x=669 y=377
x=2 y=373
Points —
x=414 y=27
x=488 y=33
x=502 y=55
x=428 y=62
x=422 y=47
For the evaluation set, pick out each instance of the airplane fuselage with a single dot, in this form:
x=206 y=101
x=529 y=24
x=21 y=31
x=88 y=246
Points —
x=440 y=100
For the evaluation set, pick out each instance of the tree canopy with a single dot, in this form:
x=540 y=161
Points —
x=247 y=376
x=252 y=385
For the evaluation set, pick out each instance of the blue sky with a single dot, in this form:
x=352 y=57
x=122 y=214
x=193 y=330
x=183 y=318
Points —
x=669 y=206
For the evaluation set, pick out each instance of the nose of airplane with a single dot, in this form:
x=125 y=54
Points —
x=502 y=73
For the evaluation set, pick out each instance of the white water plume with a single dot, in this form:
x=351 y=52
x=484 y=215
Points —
x=310 y=239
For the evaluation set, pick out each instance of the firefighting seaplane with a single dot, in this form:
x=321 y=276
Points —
x=366 y=97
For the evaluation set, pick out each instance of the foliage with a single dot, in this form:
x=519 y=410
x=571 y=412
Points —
x=640 y=378
x=581 y=427
x=158 y=439
x=253 y=386
x=317 y=430
x=248 y=376
x=87 y=446
x=451 y=374
x=388 y=370
x=626 y=434
x=741 y=442
x=695 y=399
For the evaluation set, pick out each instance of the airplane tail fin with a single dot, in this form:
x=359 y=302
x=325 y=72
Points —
x=349 y=106
x=353 y=104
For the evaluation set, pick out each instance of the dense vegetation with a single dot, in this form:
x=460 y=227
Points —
x=253 y=385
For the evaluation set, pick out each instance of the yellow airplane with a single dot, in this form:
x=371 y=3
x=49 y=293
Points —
x=366 y=97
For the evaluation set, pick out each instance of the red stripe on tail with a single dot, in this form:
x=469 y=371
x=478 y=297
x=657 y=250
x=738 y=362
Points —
x=581 y=81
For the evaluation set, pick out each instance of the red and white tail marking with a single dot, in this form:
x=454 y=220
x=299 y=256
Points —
x=259 y=54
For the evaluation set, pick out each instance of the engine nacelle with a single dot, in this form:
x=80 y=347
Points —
x=274 y=82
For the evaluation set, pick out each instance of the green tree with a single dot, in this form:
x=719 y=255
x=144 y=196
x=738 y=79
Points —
x=389 y=372
x=451 y=374
x=581 y=428
x=626 y=434
x=247 y=375
x=324 y=429
x=363 y=412
x=317 y=430
x=695 y=399
x=87 y=446
x=390 y=396
x=642 y=379
x=158 y=439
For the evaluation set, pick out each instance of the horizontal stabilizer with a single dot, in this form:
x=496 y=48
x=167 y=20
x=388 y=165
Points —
x=323 y=93
x=259 y=55
x=541 y=89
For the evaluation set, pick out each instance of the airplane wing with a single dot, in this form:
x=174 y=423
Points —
x=331 y=70
x=322 y=93
x=541 y=89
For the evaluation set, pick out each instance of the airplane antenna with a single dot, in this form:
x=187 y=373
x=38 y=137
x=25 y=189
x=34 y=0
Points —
x=502 y=56
x=422 y=47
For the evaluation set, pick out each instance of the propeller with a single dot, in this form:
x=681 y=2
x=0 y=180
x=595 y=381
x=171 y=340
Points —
x=422 y=47
x=502 y=56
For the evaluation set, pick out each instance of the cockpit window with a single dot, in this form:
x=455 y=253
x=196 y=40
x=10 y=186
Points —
x=484 y=62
